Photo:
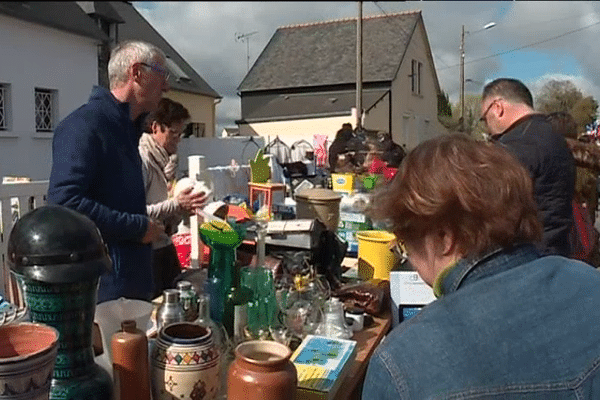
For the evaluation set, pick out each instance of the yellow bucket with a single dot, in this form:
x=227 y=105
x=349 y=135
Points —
x=375 y=258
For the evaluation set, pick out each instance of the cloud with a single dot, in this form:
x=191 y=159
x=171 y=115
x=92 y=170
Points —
x=204 y=33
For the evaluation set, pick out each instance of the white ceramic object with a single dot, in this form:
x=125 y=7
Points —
x=185 y=363
x=109 y=316
x=27 y=357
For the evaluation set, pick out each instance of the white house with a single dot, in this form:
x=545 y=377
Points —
x=47 y=69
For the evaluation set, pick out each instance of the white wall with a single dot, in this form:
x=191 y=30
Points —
x=36 y=56
x=218 y=151
x=292 y=131
x=414 y=117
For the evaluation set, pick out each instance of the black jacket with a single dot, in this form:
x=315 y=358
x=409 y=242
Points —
x=547 y=157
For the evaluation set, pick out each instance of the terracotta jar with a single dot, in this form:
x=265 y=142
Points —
x=27 y=356
x=185 y=363
x=262 y=370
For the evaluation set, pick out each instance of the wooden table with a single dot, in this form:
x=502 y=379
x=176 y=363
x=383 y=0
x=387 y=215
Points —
x=367 y=340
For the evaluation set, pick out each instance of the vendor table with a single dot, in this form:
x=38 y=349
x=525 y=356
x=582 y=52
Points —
x=367 y=340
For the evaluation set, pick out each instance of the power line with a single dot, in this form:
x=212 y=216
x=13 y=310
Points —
x=525 y=46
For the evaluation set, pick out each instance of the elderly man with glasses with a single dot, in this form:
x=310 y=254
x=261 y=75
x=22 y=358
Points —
x=512 y=122
x=97 y=170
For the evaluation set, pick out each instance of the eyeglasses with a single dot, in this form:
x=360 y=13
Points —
x=399 y=248
x=484 y=115
x=159 y=70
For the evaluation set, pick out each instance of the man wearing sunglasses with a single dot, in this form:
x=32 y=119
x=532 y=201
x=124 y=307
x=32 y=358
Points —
x=511 y=121
x=97 y=170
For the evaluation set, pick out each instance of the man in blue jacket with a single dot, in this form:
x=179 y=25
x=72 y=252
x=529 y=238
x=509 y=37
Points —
x=96 y=166
x=512 y=122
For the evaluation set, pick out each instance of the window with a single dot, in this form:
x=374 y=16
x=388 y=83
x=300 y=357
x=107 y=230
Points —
x=4 y=106
x=417 y=68
x=195 y=129
x=45 y=110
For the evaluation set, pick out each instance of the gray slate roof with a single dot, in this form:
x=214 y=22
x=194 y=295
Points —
x=312 y=105
x=324 y=53
x=137 y=27
x=63 y=15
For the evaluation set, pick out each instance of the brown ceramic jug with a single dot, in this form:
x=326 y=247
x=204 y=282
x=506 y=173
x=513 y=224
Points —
x=262 y=370
x=131 y=368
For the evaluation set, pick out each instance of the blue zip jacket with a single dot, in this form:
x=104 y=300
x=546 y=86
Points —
x=509 y=325
x=97 y=170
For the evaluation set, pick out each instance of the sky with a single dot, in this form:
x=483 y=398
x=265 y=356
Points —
x=533 y=41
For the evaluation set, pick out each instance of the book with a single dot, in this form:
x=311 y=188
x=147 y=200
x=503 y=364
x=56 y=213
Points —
x=322 y=363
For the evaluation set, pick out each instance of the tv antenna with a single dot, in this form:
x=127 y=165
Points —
x=245 y=37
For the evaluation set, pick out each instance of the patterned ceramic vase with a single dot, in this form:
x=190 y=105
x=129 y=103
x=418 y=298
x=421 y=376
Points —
x=57 y=256
x=27 y=357
x=185 y=363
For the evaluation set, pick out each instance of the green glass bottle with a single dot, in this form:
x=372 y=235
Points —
x=235 y=313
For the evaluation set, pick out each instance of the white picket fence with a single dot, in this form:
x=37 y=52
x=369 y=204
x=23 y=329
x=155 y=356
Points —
x=16 y=199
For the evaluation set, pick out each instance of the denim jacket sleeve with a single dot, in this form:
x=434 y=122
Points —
x=379 y=383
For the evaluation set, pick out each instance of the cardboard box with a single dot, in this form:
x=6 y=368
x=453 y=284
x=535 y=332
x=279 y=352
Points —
x=350 y=223
x=343 y=183
x=408 y=293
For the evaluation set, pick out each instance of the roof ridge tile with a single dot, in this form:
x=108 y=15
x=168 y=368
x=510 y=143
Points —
x=331 y=21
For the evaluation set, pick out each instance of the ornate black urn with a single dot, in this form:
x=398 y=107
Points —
x=57 y=256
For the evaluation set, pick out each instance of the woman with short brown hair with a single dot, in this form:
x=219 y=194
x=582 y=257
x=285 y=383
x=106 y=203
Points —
x=507 y=321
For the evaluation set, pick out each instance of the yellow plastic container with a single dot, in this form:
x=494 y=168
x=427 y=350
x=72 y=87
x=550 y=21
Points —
x=342 y=183
x=375 y=258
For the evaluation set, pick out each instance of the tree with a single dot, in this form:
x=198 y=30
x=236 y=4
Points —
x=584 y=112
x=472 y=111
x=444 y=106
x=558 y=95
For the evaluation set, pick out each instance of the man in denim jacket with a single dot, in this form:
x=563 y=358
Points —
x=508 y=323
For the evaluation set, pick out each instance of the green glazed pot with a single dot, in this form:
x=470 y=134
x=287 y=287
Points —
x=69 y=308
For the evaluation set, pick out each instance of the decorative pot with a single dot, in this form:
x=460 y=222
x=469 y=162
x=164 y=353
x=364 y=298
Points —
x=262 y=370
x=185 y=363
x=27 y=357
x=57 y=256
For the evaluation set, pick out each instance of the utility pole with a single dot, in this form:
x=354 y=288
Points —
x=462 y=70
x=462 y=80
x=359 y=67
x=245 y=37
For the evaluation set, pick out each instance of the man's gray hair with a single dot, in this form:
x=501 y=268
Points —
x=128 y=53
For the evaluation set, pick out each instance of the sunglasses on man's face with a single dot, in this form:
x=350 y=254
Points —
x=159 y=70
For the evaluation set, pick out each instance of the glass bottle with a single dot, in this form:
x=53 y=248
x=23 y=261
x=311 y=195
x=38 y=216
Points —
x=170 y=310
x=334 y=323
x=130 y=374
x=235 y=310
x=220 y=336
x=188 y=300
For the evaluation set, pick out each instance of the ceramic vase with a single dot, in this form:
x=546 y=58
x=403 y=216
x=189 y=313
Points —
x=27 y=357
x=70 y=309
x=262 y=370
x=185 y=363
